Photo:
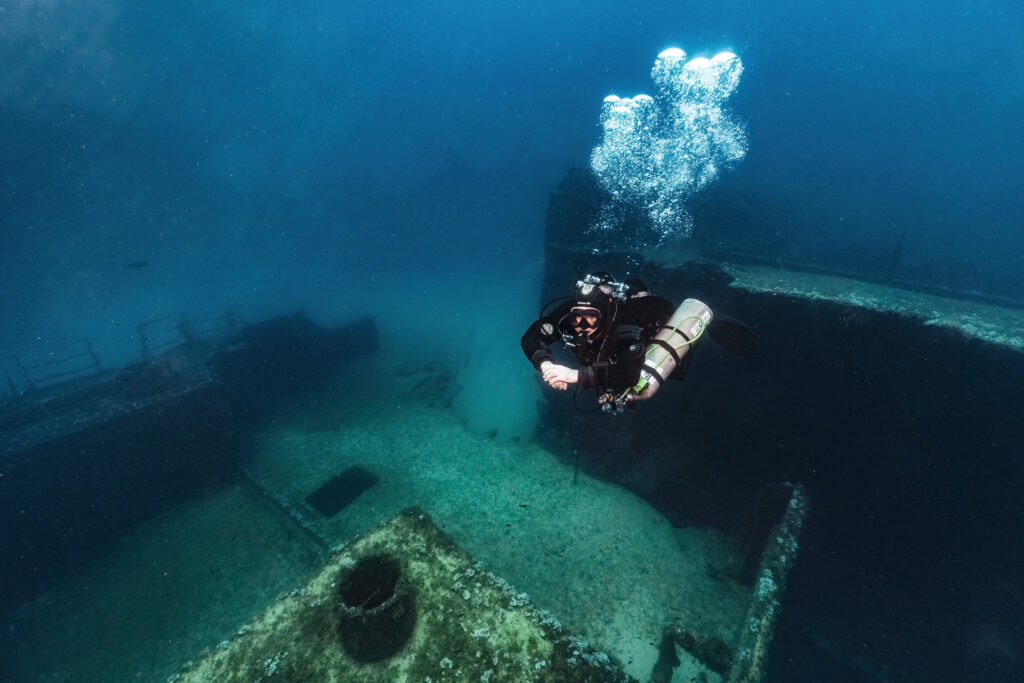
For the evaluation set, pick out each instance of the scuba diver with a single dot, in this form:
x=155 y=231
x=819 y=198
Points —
x=627 y=341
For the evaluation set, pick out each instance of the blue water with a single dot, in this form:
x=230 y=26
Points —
x=260 y=157
x=189 y=158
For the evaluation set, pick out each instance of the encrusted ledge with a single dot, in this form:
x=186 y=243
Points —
x=440 y=617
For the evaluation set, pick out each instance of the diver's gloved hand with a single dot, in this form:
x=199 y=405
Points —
x=558 y=376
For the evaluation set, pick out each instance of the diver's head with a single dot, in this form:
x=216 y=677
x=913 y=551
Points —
x=585 y=321
x=592 y=311
x=600 y=278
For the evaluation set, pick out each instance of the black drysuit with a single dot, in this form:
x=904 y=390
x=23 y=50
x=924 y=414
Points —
x=613 y=360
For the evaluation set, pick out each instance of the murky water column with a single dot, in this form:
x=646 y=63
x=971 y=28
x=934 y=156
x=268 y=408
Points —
x=658 y=152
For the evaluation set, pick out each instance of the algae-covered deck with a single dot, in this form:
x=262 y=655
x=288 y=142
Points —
x=602 y=562
x=994 y=323
x=579 y=565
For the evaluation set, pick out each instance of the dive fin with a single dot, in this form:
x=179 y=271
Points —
x=732 y=335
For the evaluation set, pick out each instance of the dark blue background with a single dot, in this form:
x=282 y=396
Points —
x=266 y=155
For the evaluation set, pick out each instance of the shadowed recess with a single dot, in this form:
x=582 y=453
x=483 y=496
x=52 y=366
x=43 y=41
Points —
x=336 y=494
x=377 y=614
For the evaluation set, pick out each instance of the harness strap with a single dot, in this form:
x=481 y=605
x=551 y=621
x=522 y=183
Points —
x=676 y=328
x=654 y=373
x=668 y=347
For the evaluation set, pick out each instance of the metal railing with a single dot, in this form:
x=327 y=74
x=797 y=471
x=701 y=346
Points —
x=156 y=336
x=56 y=370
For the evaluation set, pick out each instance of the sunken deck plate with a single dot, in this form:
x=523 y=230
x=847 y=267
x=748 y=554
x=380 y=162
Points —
x=340 y=491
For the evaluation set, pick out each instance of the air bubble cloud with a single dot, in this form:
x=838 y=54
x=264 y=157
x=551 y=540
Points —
x=658 y=152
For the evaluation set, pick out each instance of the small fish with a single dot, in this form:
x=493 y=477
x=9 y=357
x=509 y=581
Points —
x=136 y=264
x=422 y=383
